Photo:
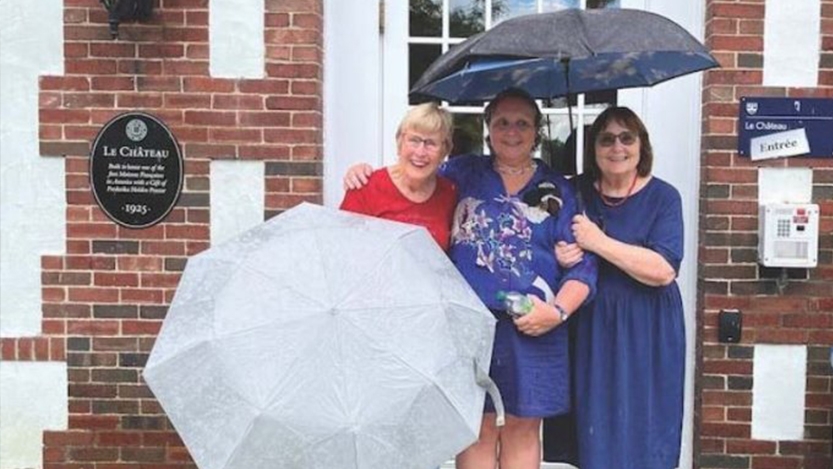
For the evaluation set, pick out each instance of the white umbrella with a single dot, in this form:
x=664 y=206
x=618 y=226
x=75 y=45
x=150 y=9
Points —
x=322 y=339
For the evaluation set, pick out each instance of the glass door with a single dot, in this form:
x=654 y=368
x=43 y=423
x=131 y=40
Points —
x=433 y=26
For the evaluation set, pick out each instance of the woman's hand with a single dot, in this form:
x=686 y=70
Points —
x=568 y=254
x=357 y=176
x=588 y=235
x=542 y=319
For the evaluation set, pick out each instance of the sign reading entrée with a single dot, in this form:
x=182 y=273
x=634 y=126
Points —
x=136 y=170
x=776 y=127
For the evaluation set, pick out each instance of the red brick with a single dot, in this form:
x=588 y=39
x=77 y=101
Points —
x=64 y=83
x=92 y=327
x=207 y=85
x=254 y=102
x=303 y=71
x=726 y=430
x=728 y=10
x=235 y=135
x=142 y=296
x=750 y=447
x=41 y=349
x=130 y=327
x=775 y=462
x=293 y=6
x=67 y=438
x=210 y=118
x=292 y=36
x=264 y=152
x=93 y=421
x=57 y=349
x=173 y=248
x=274 y=20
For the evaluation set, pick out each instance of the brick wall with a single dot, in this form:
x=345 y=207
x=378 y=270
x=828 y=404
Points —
x=104 y=301
x=729 y=276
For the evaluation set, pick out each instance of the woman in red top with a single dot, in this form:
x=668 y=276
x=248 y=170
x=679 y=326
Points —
x=410 y=190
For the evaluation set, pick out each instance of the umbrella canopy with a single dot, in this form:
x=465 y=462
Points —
x=564 y=52
x=323 y=339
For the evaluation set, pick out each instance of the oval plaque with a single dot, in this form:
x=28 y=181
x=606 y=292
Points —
x=136 y=170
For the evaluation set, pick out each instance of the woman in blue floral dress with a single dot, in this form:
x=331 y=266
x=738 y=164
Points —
x=512 y=210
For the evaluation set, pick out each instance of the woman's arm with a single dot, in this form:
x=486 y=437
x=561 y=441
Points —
x=645 y=265
x=544 y=316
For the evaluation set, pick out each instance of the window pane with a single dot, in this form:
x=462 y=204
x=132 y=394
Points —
x=467 y=17
x=553 y=144
x=555 y=5
x=468 y=134
x=505 y=9
x=420 y=57
x=603 y=4
x=426 y=18
x=600 y=99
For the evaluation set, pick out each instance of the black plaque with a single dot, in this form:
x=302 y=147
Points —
x=136 y=170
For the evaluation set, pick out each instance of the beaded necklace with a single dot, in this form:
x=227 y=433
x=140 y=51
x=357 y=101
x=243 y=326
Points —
x=615 y=203
x=510 y=171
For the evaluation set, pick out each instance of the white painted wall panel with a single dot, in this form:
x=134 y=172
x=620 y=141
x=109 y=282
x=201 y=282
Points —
x=352 y=90
x=32 y=196
x=778 y=390
x=792 y=42
x=237 y=198
x=22 y=418
x=785 y=185
x=236 y=45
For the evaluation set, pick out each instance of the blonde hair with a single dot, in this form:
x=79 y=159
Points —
x=428 y=118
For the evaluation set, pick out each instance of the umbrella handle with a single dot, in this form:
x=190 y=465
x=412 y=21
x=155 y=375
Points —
x=483 y=380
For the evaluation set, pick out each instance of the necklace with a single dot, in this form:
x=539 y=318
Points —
x=615 y=202
x=510 y=171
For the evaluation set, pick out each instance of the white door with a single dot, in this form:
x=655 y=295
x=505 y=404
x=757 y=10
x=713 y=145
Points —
x=373 y=55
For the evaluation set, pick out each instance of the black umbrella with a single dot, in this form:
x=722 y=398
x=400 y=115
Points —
x=562 y=53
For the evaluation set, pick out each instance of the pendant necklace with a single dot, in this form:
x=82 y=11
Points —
x=615 y=202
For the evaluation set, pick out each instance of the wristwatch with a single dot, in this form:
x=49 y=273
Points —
x=562 y=313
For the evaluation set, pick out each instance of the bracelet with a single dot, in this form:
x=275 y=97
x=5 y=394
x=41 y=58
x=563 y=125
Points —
x=562 y=313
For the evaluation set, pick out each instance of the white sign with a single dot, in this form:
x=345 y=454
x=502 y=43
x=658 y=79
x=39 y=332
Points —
x=790 y=143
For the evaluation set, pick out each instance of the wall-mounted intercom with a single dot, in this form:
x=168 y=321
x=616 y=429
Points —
x=788 y=235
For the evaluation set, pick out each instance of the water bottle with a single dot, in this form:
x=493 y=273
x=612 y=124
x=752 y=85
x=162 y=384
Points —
x=516 y=303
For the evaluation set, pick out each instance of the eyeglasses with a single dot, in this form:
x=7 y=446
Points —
x=607 y=139
x=415 y=141
x=504 y=125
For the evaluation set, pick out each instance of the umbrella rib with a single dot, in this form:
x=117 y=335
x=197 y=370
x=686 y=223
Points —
x=408 y=365
x=238 y=446
x=360 y=279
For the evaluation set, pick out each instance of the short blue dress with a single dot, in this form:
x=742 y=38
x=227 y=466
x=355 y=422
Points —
x=505 y=242
x=630 y=342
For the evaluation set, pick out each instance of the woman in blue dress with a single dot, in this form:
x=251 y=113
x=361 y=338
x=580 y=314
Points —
x=630 y=341
x=511 y=212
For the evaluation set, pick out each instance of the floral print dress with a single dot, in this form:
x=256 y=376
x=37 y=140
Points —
x=504 y=242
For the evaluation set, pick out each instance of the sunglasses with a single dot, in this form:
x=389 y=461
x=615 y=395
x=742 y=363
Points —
x=607 y=139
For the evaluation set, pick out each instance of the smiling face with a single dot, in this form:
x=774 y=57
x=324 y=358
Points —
x=420 y=153
x=512 y=131
x=617 y=150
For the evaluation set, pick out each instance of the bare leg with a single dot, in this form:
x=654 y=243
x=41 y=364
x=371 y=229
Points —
x=483 y=453
x=520 y=444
